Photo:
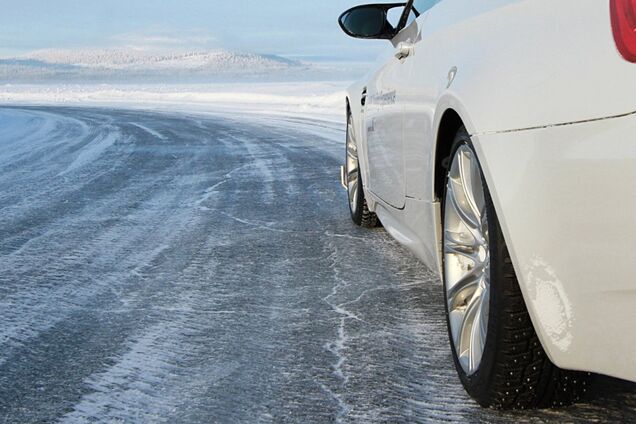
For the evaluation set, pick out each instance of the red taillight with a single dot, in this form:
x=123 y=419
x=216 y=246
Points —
x=624 y=26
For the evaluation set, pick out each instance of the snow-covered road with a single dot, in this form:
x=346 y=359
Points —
x=163 y=267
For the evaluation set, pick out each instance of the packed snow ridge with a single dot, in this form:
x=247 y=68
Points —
x=138 y=58
x=126 y=64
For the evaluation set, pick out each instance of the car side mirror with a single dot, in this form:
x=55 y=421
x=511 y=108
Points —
x=370 y=21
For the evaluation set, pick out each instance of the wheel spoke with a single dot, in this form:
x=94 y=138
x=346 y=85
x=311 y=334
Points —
x=352 y=188
x=352 y=151
x=466 y=215
x=456 y=245
x=465 y=332
x=471 y=185
x=476 y=340
x=353 y=198
x=352 y=176
x=352 y=180
x=462 y=289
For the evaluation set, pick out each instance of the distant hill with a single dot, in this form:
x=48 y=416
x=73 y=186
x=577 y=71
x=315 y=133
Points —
x=131 y=65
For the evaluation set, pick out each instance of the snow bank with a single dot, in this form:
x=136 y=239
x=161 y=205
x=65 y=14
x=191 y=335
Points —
x=126 y=65
x=321 y=100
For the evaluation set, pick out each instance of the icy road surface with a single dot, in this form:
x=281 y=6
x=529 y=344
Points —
x=173 y=268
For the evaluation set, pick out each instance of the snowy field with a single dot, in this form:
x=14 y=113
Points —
x=317 y=100
x=183 y=253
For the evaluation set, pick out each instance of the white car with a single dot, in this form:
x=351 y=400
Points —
x=497 y=141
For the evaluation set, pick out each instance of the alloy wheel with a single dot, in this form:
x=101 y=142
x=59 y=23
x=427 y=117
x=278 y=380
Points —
x=352 y=168
x=467 y=258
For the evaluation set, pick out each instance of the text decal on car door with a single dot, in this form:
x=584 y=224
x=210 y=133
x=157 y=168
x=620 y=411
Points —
x=383 y=98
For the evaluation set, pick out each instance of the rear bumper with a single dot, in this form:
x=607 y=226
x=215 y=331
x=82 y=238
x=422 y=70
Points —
x=566 y=200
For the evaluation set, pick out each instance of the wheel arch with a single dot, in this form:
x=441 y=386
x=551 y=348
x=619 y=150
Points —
x=449 y=117
x=450 y=123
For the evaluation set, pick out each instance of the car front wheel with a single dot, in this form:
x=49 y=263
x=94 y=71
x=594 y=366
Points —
x=360 y=213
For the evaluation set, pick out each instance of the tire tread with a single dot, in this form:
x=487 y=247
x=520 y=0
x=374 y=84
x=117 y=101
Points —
x=368 y=219
x=524 y=376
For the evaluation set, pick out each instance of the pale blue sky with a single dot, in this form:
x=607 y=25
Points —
x=287 y=27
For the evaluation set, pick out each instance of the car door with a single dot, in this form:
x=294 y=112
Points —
x=425 y=77
x=385 y=122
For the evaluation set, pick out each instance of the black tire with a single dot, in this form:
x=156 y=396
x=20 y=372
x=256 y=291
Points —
x=360 y=214
x=514 y=372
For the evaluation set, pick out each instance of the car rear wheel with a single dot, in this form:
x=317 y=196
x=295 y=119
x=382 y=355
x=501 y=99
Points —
x=360 y=213
x=496 y=351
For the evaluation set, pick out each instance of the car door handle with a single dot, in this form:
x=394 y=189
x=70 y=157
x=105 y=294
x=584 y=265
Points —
x=404 y=50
